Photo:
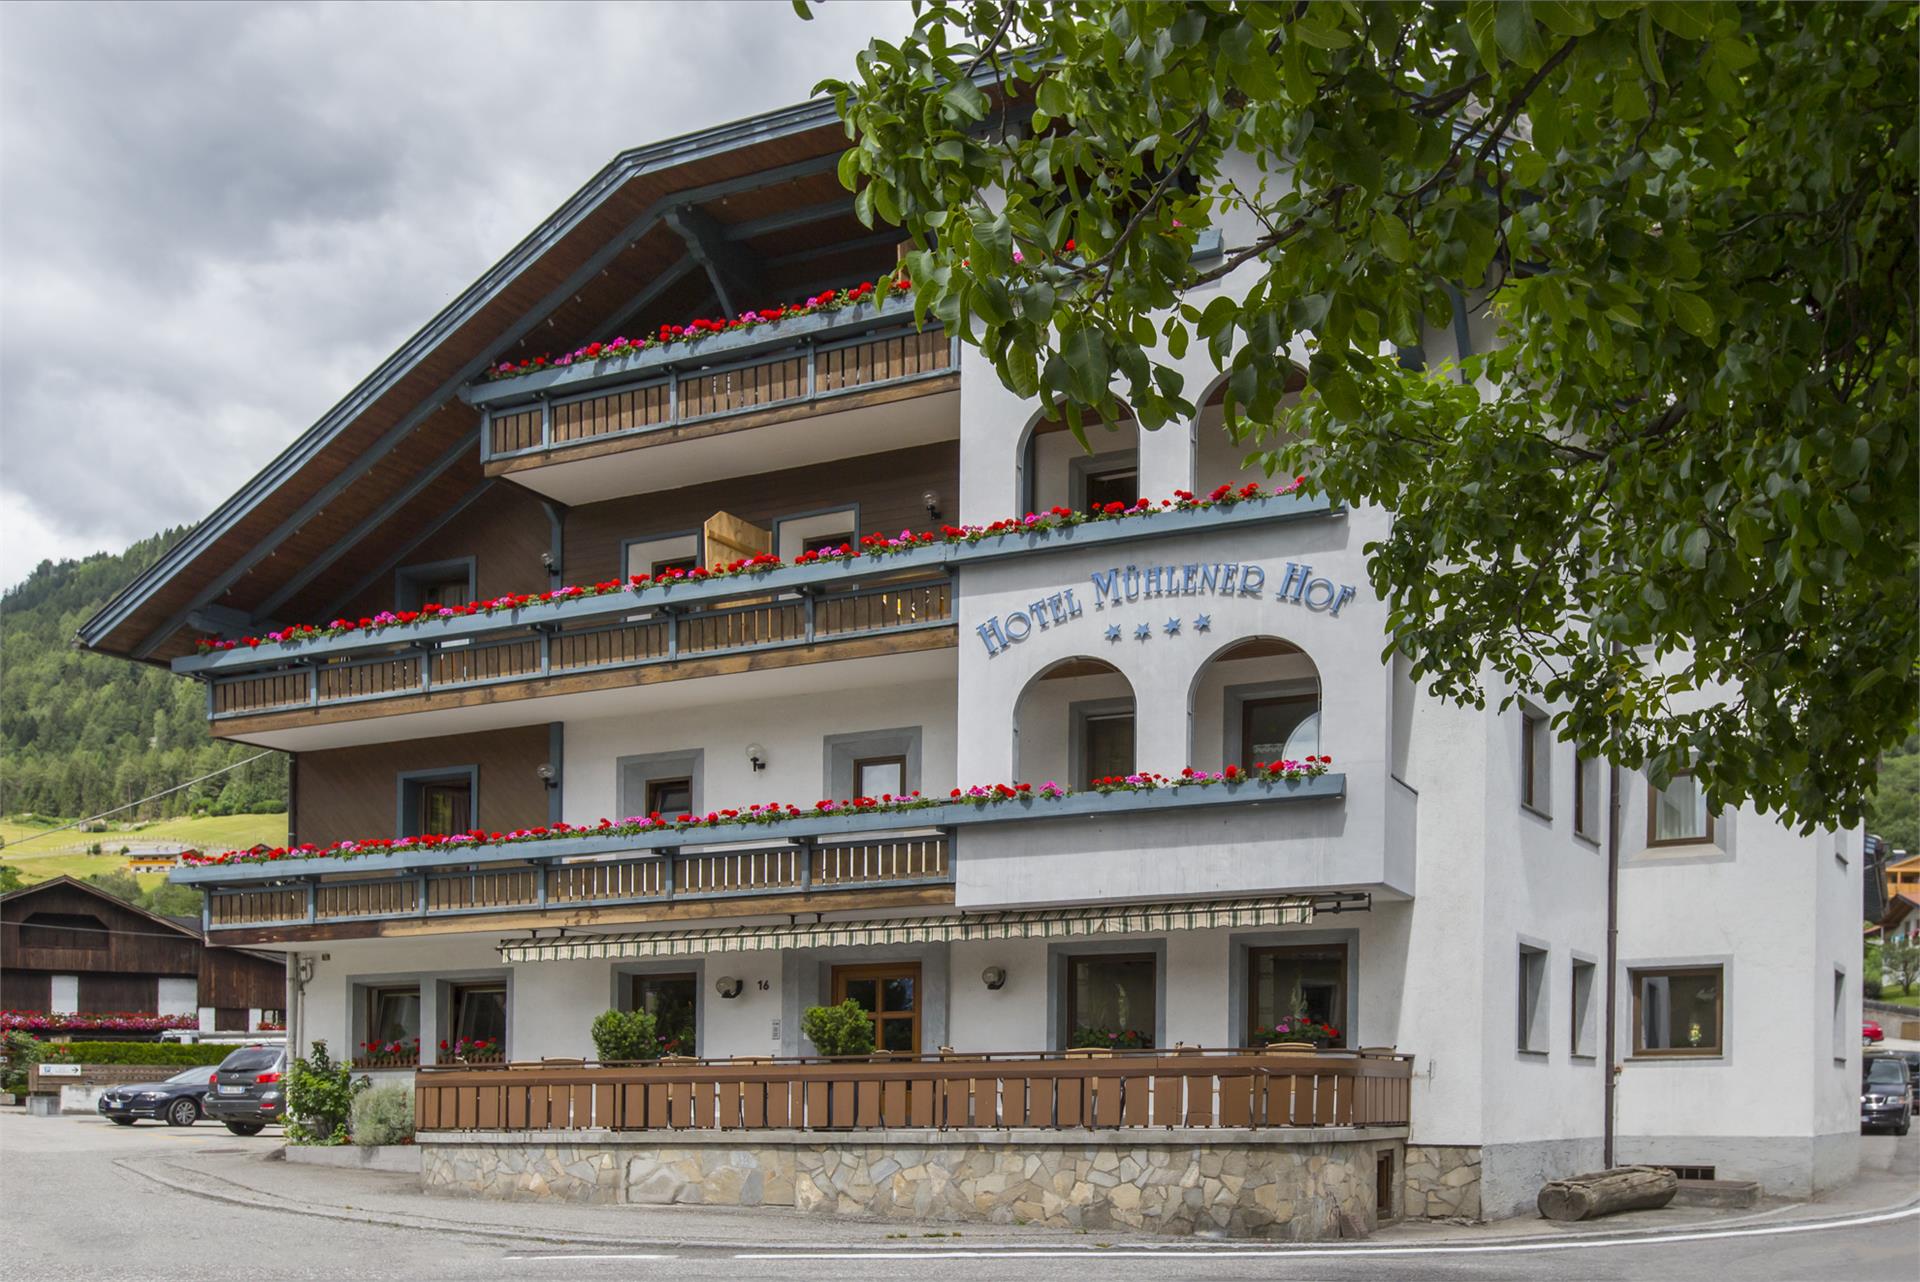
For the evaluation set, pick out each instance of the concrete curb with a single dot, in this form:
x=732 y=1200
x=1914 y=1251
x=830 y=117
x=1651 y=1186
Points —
x=396 y=1159
x=239 y=1195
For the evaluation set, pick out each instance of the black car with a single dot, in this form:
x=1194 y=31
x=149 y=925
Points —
x=177 y=1100
x=1912 y=1059
x=1885 y=1090
x=247 y=1090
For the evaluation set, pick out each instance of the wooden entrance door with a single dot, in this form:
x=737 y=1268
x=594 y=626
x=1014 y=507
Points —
x=890 y=994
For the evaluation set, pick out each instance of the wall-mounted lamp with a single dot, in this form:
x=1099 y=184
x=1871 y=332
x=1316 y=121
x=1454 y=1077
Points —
x=932 y=500
x=728 y=987
x=757 y=755
x=994 y=977
x=546 y=559
x=546 y=776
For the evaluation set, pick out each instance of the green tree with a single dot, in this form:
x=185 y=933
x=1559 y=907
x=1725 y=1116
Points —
x=1687 y=462
x=1895 y=810
x=170 y=900
x=120 y=884
x=10 y=878
x=1900 y=963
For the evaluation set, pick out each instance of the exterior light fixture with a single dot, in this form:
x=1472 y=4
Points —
x=932 y=500
x=546 y=776
x=994 y=977
x=728 y=987
x=757 y=756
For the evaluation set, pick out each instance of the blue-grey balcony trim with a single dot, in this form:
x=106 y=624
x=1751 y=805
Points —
x=949 y=816
x=793 y=578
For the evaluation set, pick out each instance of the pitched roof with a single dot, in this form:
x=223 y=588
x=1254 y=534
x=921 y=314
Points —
x=323 y=498
x=185 y=925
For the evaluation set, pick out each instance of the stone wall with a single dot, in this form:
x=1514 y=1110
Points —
x=1297 y=1185
x=1442 y=1182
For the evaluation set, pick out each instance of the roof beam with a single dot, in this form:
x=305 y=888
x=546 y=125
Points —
x=379 y=517
x=735 y=277
x=407 y=549
x=566 y=290
x=787 y=220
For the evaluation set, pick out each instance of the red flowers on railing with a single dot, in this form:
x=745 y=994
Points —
x=390 y=1054
x=769 y=813
x=831 y=300
x=45 y=1021
x=867 y=545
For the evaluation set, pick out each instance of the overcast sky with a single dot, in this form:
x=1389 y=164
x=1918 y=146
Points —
x=215 y=220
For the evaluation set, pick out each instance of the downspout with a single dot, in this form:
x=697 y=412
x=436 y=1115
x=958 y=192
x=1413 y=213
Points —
x=1609 y=1085
x=1462 y=336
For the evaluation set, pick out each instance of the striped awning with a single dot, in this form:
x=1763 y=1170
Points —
x=1048 y=923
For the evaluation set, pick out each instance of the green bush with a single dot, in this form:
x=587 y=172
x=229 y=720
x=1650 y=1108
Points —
x=838 y=1030
x=624 y=1035
x=320 y=1098
x=22 y=1050
x=383 y=1115
x=162 y=1054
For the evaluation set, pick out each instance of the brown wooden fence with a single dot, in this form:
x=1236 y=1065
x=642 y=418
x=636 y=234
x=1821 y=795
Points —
x=1214 y=1088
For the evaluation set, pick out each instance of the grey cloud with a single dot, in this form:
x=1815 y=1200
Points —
x=214 y=220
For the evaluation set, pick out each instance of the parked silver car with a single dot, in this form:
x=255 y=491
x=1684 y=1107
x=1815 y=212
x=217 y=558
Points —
x=248 y=1089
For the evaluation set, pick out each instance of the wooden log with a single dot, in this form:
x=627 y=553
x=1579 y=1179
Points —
x=1624 y=1188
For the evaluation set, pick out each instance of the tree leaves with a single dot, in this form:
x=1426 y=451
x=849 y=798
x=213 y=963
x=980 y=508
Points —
x=1685 y=227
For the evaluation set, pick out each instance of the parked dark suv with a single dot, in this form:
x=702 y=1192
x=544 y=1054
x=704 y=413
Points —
x=247 y=1090
x=1883 y=1095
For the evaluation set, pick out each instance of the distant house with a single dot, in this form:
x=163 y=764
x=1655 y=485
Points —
x=1901 y=921
x=161 y=861
x=1902 y=875
x=72 y=954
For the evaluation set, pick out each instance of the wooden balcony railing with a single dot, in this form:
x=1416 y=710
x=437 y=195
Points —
x=859 y=864
x=1049 y=1091
x=803 y=372
x=530 y=652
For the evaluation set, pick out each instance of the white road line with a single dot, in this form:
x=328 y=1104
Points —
x=1309 y=1252
x=569 y=1256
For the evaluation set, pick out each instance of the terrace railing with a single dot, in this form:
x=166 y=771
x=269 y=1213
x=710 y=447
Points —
x=800 y=372
x=532 y=651
x=859 y=863
x=1230 y=1088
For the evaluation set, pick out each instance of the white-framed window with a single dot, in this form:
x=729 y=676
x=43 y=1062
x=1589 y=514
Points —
x=1536 y=761
x=1586 y=796
x=1677 y=815
x=1533 y=999
x=1583 y=1007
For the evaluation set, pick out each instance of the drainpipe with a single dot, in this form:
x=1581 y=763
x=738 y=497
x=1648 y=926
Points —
x=296 y=999
x=1609 y=1086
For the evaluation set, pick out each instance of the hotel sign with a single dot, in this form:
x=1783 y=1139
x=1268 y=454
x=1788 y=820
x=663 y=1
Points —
x=1121 y=586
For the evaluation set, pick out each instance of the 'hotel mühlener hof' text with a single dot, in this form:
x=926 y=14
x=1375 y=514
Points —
x=1122 y=585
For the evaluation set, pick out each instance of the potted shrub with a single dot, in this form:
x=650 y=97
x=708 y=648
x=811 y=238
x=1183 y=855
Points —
x=621 y=1036
x=838 y=1030
x=1296 y=1029
x=1086 y=1038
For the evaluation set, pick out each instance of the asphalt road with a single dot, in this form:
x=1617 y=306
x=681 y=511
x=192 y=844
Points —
x=76 y=1205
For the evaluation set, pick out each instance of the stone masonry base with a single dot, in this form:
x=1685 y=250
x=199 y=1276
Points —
x=1443 y=1182
x=1298 y=1185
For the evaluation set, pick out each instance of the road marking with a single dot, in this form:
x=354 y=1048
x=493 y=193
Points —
x=1304 y=1252
x=573 y=1256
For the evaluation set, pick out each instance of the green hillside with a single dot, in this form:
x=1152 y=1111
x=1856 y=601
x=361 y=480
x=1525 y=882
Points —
x=81 y=733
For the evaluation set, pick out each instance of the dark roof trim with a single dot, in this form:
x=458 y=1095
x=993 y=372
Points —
x=65 y=880
x=627 y=165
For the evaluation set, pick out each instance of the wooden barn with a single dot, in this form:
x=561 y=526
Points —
x=68 y=948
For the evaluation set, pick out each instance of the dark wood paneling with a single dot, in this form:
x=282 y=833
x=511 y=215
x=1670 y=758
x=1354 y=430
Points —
x=229 y=978
x=100 y=993
x=353 y=792
x=134 y=943
x=505 y=533
x=25 y=989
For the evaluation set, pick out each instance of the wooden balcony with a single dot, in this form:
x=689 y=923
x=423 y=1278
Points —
x=808 y=364
x=1224 y=1089
x=555 y=657
x=882 y=862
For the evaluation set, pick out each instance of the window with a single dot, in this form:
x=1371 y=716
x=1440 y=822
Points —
x=824 y=543
x=1119 y=484
x=890 y=994
x=477 y=1019
x=1586 y=796
x=393 y=1026
x=1677 y=1011
x=1107 y=746
x=815 y=532
x=1293 y=983
x=670 y=797
x=672 y=1000
x=1533 y=1000
x=1273 y=729
x=1677 y=814
x=437 y=803
x=63 y=930
x=442 y=583
x=1536 y=762
x=1583 y=1011
x=880 y=776
x=1111 y=1000
x=1843 y=1034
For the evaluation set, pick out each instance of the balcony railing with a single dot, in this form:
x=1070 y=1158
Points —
x=530 y=651
x=804 y=360
x=1235 y=1088
x=919 y=859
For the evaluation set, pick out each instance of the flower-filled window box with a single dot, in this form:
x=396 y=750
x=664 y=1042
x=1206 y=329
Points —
x=396 y=1054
